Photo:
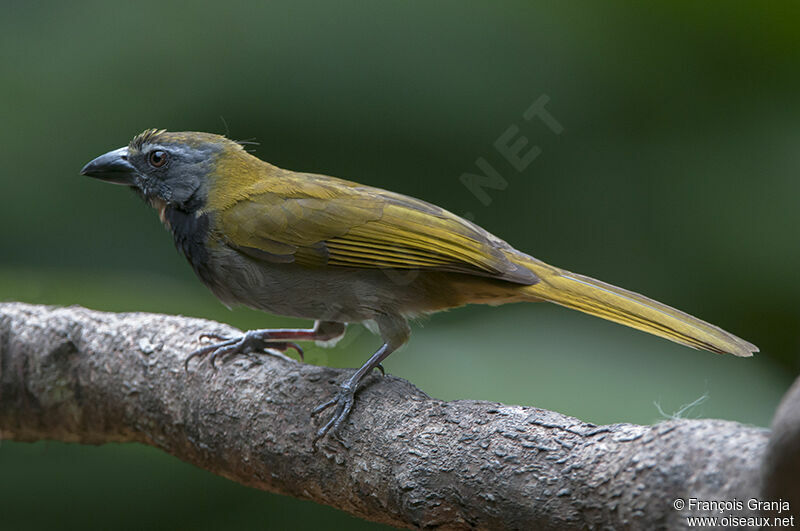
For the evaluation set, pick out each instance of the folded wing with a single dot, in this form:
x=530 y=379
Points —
x=320 y=221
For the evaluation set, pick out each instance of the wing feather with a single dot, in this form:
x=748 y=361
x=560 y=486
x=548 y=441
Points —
x=321 y=221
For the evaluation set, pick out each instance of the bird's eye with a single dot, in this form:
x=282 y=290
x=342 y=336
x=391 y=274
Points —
x=157 y=158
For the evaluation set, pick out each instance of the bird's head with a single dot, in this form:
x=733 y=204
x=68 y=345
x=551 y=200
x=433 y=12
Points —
x=165 y=168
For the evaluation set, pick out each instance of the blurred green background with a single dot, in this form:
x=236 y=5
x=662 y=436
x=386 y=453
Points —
x=675 y=175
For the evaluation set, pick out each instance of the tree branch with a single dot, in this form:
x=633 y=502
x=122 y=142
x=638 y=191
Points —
x=77 y=375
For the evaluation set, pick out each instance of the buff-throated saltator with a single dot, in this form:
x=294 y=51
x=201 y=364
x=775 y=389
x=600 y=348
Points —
x=338 y=252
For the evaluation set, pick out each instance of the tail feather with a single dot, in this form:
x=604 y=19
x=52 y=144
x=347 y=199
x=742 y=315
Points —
x=631 y=309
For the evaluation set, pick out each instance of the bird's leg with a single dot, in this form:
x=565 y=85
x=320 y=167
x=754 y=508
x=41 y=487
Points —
x=395 y=331
x=345 y=397
x=266 y=340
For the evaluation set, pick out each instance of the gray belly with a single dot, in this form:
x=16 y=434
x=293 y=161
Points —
x=330 y=294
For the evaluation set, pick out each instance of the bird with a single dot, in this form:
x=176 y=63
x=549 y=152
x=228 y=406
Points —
x=338 y=252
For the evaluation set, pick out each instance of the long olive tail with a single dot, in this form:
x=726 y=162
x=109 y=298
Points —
x=631 y=309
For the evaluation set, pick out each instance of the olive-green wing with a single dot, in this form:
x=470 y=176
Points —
x=320 y=221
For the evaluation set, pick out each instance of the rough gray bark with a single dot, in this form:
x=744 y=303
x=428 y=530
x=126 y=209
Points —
x=404 y=459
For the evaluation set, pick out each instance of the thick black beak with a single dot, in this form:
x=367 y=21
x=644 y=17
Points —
x=112 y=167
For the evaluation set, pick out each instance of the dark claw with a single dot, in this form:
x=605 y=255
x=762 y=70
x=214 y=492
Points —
x=322 y=407
x=299 y=351
x=190 y=357
x=199 y=353
x=343 y=401
x=380 y=368
x=283 y=346
x=322 y=431
x=213 y=335
x=344 y=413
x=297 y=348
x=223 y=349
